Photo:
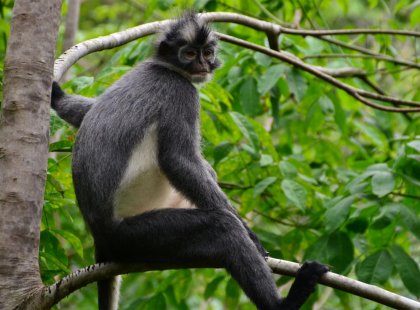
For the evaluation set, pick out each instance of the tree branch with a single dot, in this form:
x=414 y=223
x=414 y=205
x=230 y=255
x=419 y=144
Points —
x=80 y=278
x=374 y=56
x=64 y=62
x=352 y=91
x=54 y=293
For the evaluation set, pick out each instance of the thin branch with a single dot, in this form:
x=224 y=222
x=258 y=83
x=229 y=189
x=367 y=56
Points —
x=277 y=29
x=320 y=33
x=56 y=292
x=406 y=196
x=375 y=56
x=349 y=46
x=354 y=92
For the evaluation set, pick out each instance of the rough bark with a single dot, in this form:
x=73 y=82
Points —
x=24 y=131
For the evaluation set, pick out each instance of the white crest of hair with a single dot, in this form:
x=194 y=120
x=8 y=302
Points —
x=189 y=32
x=143 y=186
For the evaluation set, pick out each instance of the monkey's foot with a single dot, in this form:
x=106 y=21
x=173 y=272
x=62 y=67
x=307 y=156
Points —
x=312 y=271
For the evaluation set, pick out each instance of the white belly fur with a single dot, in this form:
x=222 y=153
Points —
x=143 y=186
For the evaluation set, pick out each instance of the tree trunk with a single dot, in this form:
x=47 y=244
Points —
x=24 y=131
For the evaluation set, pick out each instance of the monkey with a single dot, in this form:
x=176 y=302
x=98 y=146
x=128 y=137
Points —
x=142 y=184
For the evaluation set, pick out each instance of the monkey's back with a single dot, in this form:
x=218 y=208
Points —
x=111 y=131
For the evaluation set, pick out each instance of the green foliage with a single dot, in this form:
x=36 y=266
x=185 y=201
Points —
x=316 y=174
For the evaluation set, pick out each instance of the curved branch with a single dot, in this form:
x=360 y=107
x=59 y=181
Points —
x=67 y=59
x=54 y=293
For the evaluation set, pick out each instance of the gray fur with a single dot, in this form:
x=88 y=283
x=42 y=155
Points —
x=144 y=129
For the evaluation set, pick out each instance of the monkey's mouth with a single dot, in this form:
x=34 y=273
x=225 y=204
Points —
x=201 y=73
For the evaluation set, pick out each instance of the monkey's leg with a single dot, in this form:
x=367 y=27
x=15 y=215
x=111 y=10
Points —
x=215 y=237
x=304 y=285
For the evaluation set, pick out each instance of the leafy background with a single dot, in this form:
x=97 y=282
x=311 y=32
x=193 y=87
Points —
x=316 y=174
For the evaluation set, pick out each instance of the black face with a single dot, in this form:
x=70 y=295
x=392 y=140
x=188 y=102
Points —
x=191 y=47
x=198 y=61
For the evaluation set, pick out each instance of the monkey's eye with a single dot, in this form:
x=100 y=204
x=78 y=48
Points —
x=208 y=54
x=190 y=54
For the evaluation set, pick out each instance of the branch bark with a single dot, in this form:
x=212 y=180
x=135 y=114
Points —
x=24 y=132
x=54 y=293
x=64 y=62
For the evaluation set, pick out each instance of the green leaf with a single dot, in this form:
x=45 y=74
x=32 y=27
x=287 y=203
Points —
x=156 y=302
x=326 y=105
x=386 y=216
x=335 y=249
x=383 y=183
x=411 y=219
x=337 y=215
x=261 y=186
x=376 y=268
x=414 y=145
x=295 y=192
x=221 y=151
x=288 y=170
x=212 y=287
x=74 y=241
x=357 y=225
x=246 y=128
x=232 y=294
x=262 y=59
x=62 y=145
x=270 y=78
x=297 y=84
x=373 y=134
x=80 y=83
x=56 y=184
x=53 y=261
x=266 y=160
x=408 y=269
x=250 y=98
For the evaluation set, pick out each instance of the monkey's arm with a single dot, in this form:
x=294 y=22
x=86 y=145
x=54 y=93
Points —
x=71 y=108
x=210 y=170
x=180 y=159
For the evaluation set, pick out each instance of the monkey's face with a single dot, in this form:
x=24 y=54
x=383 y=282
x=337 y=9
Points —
x=198 y=62
x=190 y=46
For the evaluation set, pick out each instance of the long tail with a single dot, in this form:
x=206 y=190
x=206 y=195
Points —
x=108 y=289
x=71 y=108
x=109 y=293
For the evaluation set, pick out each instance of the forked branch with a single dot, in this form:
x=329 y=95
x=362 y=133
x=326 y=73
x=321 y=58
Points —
x=65 y=61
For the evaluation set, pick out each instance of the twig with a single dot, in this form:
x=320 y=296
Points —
x=320 y=33
x=374 y=56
